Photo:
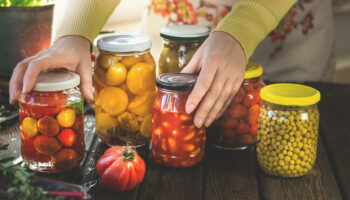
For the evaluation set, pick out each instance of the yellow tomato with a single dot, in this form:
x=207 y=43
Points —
x=116 y=74
x=106 y=61
x=147 y=58
x=104 y=122
x=140 y=78
x=130 y=61
x=146 y=126
x=128 y=121
x=142 y=105
x=29 y=127
x=66 y=118
x=113 y=100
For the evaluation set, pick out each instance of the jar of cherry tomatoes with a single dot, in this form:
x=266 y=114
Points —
x=237 y=128
x=124 y=83
x=52 y=123
x=180 y=42
x=176 y=142
x=288 y=129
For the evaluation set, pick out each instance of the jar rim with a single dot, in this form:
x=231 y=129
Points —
x=56 y=80
x=290 y=94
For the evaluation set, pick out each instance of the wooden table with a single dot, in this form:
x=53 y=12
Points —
x=228 y=175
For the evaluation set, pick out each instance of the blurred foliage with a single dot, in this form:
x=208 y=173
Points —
x=24 y=3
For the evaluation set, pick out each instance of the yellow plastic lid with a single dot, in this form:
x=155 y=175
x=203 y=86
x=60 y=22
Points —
x=290 y=94
x=253 y=70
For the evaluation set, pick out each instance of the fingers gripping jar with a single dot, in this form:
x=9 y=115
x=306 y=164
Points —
x=52 y=123
x=176 y=142
x=180 y=42
x=237 y=128
x=288 y=129
x=124 y=83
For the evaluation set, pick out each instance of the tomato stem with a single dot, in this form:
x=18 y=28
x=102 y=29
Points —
x=128 y=155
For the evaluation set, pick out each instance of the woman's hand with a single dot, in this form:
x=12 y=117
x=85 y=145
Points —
x=221 y=62
x=70 y=52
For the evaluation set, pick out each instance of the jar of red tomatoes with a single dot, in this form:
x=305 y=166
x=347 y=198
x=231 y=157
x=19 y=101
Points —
x=176 y=142
x=52 y=123
x=237 y=128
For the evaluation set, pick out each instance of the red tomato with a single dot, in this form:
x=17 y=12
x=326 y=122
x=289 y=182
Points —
x=228 y=133
x=253 y=114
x=251 y=98
x=48 y=126
x=120 y=168
x=253 y=129
x=229 y=123
x=238 y=111
x=239 y=96
x=242 y=129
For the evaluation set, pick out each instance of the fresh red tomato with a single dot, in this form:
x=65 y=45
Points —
x=238 y=111
x=251 y=98
x=242 y=129
x=253 y=114
x=229 y=123
x=239 y=96
x=120 y=168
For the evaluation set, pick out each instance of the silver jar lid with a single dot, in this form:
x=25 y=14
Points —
x=124 y=43
x=56 y=80
x=185 y=32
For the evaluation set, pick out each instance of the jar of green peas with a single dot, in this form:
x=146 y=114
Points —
x=288 y=129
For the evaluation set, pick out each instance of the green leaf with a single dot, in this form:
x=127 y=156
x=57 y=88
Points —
x=4 y=146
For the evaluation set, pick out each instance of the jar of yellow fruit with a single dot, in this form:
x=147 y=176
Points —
x=124 y=82
x=288 y=129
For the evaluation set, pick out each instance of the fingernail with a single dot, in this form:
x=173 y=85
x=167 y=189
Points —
x=189 y=108
x=208 y=122
x=199 y=123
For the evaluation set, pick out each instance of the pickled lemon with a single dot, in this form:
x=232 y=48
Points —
x=142 y=105
x=106 y=61
x=29 y=127
x=116 y=74
x=140 y=78
x=130 y=61
x=146 y=126
x=104 y=121
x=113 y=100
x=66 y=118
x=128 y=121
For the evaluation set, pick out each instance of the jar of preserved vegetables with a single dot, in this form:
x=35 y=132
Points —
x=176 y=142
x=180 y=43
x=52 y=123
x=288 y=129
x=124 y=83
x=237 y=128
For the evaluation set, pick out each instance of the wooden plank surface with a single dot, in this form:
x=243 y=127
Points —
x=335 y=125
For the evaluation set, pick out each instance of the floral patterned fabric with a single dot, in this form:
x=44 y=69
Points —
x=300 y=48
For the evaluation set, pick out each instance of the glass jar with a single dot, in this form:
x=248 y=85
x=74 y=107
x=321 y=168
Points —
x=237 y=128
x=180 y=42
x=52 y=123
x=288 y=129
x=176 y=142
x=124 y=83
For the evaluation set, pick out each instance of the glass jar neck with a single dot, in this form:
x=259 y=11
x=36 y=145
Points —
x=166 y=91
x=194 y=43
x=133 y=53
x=289 y=107
x=252 y=80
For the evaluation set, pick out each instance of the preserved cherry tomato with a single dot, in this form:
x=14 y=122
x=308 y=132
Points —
x=120 y=168
x=66 y=118
x=46 y=145
x=67 y=137
x=29 y=127
x=237 y=128
x=48 y=126
x=65 y=159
